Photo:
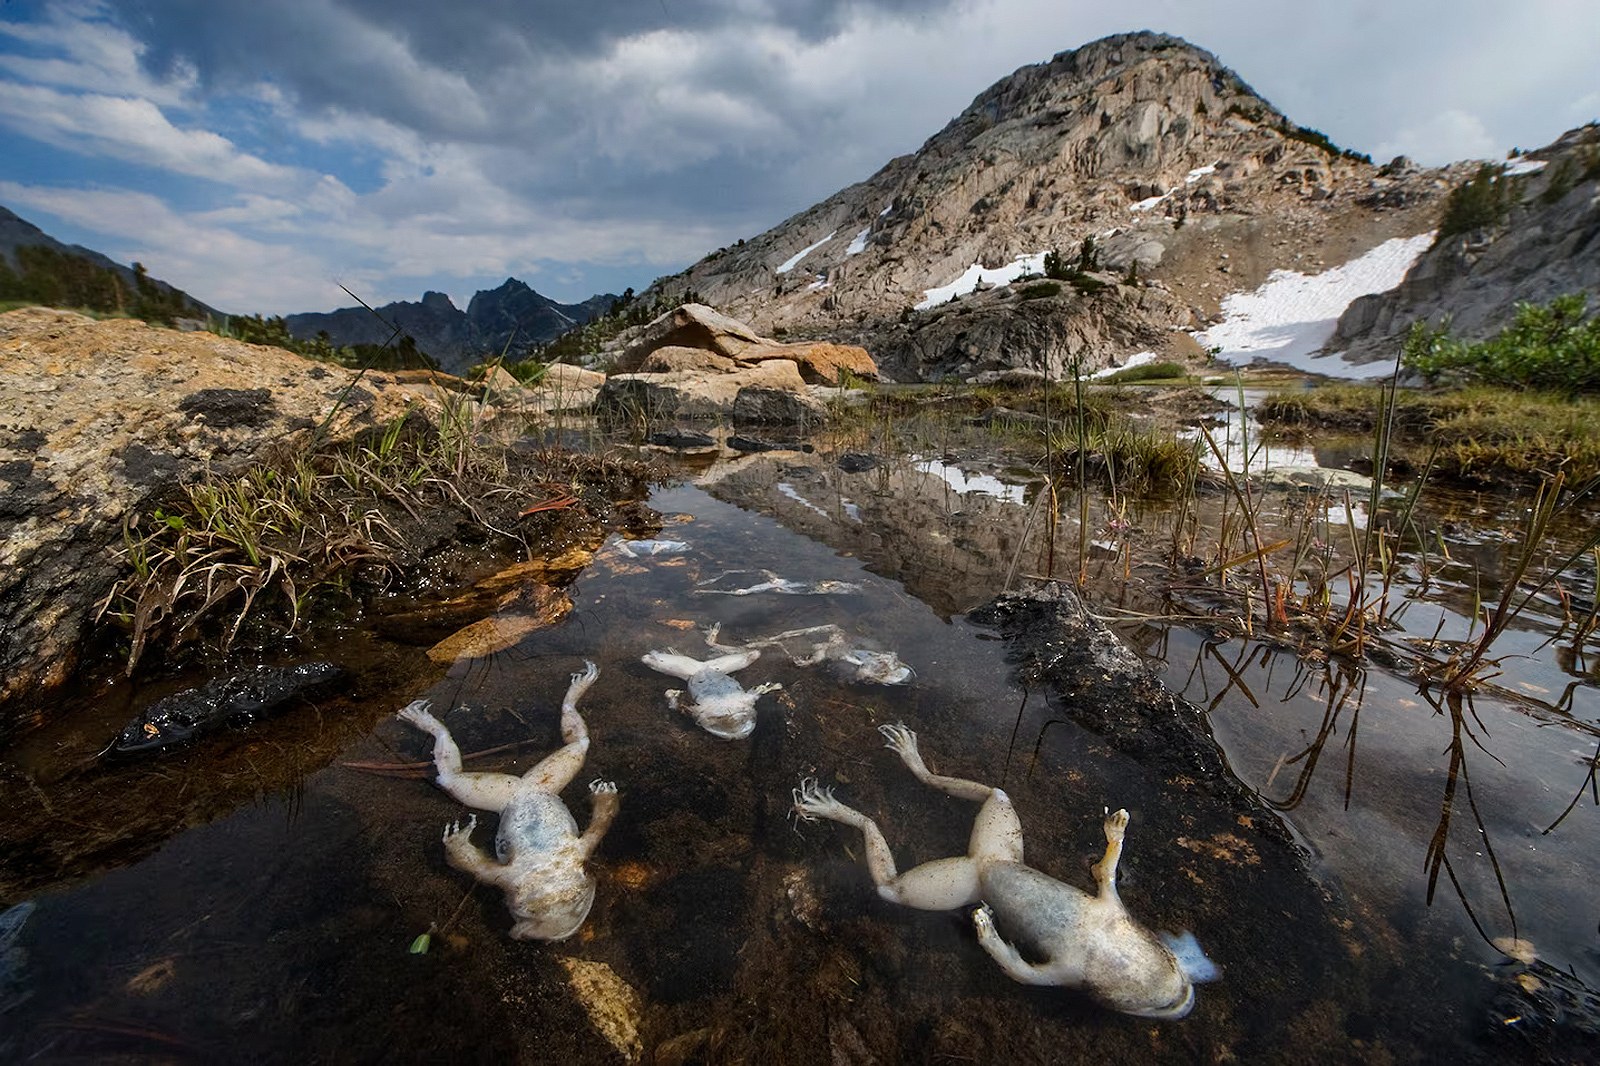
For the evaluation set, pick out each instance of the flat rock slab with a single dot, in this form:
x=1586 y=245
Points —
x=100 y=418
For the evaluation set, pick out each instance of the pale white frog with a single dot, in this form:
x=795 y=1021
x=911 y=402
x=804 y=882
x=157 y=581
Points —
x=782 y=585
x=539 y=854
x=850 y=657
x=1087 y=942
x=717 y=702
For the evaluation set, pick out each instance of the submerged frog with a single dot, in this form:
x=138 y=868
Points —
x=717 y=702
x=1087 y=942
x=783 y=585
x=852 y=658
x=635 y=548
x=539 y=854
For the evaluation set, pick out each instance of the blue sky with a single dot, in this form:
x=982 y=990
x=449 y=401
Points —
x=259 y=153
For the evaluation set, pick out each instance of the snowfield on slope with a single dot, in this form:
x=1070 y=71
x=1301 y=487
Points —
x=976 y=275
x=1292 y=315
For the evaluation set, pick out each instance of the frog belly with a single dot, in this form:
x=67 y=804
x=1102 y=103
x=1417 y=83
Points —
x=533 y=824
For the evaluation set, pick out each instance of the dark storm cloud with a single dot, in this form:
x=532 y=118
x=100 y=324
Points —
x=395 y=59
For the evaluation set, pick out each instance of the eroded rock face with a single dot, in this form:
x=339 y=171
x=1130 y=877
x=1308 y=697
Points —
x=670 y=357
x=819 y=363
x=783 y=407
x=1547 y=245
x=100 y=419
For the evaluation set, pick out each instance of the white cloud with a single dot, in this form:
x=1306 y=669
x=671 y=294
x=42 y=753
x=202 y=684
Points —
x=95 y=55
x=135 y=131
x=213 y=263
x=1442 y=137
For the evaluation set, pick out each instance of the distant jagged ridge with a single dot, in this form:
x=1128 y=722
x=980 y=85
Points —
x=512 y=318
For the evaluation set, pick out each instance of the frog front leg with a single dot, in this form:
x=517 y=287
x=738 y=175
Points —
x=1105 y=871
x=460 y=853
x=1016 y=967
x=604 y=804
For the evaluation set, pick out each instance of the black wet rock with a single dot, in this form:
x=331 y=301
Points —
x=1103 y=686
x=856 y=462
x=232 y=701
x=741 y=443
x=682 y=438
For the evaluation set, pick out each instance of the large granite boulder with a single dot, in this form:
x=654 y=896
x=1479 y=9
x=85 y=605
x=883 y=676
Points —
x=820 y=363
x=666 y=359
x=691 y=326
x=782 y=407
x=101 y=419
x=689 y=394
x=562 y=388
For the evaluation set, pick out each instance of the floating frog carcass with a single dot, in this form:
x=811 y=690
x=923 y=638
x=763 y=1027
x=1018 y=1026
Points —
x=781 y=585
x=633 y=549
x=853 y=658
x=1084 y=941
x=539 y=855
x=717 y=703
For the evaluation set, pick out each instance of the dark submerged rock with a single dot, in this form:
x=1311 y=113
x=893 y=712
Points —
x=1242 y=883
x=228 y=701
x=682 y=438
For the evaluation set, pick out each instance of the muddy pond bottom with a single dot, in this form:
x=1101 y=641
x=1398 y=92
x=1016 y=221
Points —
x=323 y=924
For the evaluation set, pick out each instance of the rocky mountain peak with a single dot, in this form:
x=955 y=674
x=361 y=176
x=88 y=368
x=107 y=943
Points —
x=437 y=302
x=1141 y=141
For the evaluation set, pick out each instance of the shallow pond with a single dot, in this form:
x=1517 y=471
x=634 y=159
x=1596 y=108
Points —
x=266 y=907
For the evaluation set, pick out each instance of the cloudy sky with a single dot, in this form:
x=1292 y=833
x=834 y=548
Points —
x=258 y=153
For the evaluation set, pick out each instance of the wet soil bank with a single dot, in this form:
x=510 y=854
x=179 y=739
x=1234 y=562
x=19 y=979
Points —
x=76 y=807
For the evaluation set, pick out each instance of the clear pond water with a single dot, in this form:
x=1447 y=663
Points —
x=254 y=897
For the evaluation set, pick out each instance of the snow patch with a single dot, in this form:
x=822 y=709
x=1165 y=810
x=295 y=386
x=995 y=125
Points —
x=794 y=261
x=1292 y=315
x=976 y=274
x=1133 y=360
x=1524 y=166
x=858 y=245
x=1188 y=179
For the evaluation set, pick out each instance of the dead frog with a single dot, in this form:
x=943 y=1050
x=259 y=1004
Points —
x=538 y=853
x=850 y=657
x=774 y=583
x=717 y=702
x=1087 y=942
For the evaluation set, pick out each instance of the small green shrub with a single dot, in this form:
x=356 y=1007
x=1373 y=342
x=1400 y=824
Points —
x=1561 y=182
x=1552 y=347
x=1147 y=372
x=1039 y=291
x=1483 y=201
